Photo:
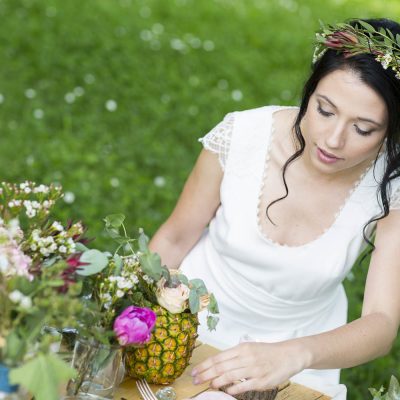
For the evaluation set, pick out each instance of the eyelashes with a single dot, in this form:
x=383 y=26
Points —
x=328 y=114
x=323 y=112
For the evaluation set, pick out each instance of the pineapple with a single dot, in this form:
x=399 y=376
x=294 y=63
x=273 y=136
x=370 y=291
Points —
x=164 y=358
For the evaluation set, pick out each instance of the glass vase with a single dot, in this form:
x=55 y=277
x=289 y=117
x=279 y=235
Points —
x=98 y=368
x=7 y=390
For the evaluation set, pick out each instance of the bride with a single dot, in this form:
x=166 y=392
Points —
x=281 y=202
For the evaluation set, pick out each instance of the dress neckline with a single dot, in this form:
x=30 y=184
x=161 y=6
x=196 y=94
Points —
x=262 y=234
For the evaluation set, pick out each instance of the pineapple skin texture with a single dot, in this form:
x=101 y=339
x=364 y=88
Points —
x=166 y=356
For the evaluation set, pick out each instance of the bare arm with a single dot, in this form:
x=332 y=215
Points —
x=373 y=334
x=195 y=208
x=268 y=364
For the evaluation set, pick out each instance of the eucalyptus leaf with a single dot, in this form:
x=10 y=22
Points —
x=199 y=285
x=151 y=265
x=49 y=262
x=183 y=279
x=16 y=346
x=212 y=322
x=194 y=301
x=213 y=305
x=114 y=220
x=118 y=264
x=165 y=273
x=96 y=262
x=114 y=233
x=143 y=242
x=42 y=376
x=80 y=247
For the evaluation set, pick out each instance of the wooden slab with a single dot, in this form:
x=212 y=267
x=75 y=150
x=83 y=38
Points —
x=185 y=389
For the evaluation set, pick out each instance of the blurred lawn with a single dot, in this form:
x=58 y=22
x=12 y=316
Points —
x=109 y=97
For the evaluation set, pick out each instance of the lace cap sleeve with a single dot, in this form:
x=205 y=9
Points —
x=218 y=140
x=395 y=200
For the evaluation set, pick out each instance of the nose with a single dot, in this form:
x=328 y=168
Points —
x=336 y=138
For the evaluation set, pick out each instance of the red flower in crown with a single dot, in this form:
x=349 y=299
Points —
x=339 y=39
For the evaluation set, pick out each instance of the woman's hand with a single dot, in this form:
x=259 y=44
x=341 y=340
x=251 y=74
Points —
x=252 y=366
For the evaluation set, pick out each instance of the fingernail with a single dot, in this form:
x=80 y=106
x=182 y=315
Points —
x=193 y=373
x=196 y=381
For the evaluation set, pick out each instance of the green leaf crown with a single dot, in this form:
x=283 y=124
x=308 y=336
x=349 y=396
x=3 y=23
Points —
x=360 y=39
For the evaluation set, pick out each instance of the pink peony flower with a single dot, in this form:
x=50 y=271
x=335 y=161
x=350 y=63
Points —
x=134 y=325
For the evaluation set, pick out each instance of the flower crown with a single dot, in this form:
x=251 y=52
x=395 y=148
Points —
x=363 y=38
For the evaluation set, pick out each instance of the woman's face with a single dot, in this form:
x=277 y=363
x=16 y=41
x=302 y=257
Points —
x=345 y=124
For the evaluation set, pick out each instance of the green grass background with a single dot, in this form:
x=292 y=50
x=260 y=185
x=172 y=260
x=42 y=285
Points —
x=173 y=69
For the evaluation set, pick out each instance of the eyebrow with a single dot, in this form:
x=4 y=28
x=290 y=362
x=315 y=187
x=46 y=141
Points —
x=359 y=118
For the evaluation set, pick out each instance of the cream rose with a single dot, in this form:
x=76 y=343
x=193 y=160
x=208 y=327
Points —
x=174 y=299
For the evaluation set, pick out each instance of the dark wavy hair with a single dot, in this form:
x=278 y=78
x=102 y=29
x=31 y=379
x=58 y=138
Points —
x=385 y=84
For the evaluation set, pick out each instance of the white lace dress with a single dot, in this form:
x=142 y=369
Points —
x=267 y=291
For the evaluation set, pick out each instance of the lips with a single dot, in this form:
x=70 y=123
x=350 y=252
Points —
x=330 y=155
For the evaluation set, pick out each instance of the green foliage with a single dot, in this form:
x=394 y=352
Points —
x=42 y=376
x=95 y=261
x=393 y=392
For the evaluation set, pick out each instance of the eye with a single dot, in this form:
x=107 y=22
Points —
x=361 y=132
x=323 y=112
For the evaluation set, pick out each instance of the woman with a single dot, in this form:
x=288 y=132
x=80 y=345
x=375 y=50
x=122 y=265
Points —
x=291 y=196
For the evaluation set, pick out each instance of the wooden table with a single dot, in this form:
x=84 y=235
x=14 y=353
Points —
x=185 y=389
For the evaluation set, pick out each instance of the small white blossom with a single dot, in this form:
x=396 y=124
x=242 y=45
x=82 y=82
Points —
x=3 y=263
x=30 y=213
x=120 y=293
x=15 y=296
x=62 y=249
x=41 y=189
x=148 y=279
x=26 y=302
x=106 y=296
x=33 y=247
x=57 y=226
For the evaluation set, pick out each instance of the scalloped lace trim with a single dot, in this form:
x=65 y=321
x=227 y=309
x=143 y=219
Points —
x=260 y=195
x=218 y=140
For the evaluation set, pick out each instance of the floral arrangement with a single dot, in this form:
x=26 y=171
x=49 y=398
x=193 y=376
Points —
x=392 y=393
x=363 y=38
x=38 y=261
x=141 y=301
x=118 y=282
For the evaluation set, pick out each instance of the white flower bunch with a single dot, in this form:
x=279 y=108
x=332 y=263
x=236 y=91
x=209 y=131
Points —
x=19 y=298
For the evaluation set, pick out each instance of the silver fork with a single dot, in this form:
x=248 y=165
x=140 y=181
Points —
x=145 y=390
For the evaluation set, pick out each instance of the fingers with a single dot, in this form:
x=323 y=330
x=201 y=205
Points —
x=212 y=361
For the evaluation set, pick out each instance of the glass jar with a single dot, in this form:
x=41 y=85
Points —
x=98 y=369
